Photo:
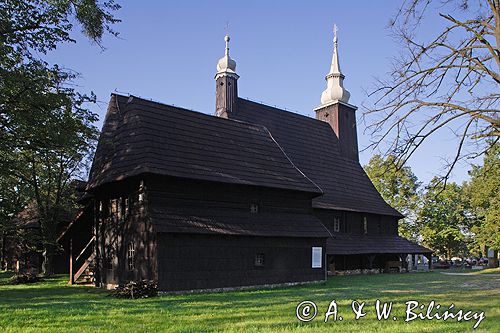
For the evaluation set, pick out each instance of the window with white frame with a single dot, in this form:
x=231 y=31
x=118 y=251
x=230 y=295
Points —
x=317 y=257
x=131 y=257
x=336 y=224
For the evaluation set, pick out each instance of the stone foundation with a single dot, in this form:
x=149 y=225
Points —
x=241 y=288
x=357 y=271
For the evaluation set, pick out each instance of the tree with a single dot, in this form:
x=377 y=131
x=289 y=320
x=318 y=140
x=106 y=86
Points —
x=40 y=25
x=13 y=192
x=484 y=194
x=444 y=219
x=46 y=132
x=448 y=81
x=399 y=187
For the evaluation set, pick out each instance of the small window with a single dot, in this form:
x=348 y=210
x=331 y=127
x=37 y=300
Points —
x=259 y=260
x=131 y=257
x=336 y=224
x=254 y=208
x=365 y=225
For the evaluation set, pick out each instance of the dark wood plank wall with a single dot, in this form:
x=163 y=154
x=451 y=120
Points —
x=360 y=261
x=114 y=236
x=187 y=193
x=189 y=262
x=352 y=222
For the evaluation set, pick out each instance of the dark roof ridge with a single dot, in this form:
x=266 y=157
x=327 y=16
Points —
x=200 y=113
x=294 y=113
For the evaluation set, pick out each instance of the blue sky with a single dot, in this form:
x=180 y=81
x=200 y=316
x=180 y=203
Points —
x=167 y=51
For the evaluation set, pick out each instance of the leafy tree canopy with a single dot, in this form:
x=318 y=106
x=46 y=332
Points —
x=484 y=193
x=444 y=220
x=399 y=188
x=46 y=130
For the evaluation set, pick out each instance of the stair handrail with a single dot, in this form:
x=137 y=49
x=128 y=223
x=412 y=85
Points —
x=85 y=248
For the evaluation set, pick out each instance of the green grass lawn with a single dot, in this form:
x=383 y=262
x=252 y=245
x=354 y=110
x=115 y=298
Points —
x=53 y=306
x=490 y=271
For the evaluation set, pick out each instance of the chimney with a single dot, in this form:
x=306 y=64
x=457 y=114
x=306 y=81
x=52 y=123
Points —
x=336 y=110
x=226 y=89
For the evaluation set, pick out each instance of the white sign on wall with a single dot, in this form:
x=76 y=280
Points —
x=317 y=255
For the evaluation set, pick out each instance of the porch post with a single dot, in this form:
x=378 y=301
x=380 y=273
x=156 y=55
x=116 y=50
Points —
x=404 y=263
x=71 y=276
x=429 y=260
x=371 y=258
x=97 y=219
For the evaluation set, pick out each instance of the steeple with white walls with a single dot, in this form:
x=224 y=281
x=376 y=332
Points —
x=335 y=90
x=335 y=108
x=226 y=84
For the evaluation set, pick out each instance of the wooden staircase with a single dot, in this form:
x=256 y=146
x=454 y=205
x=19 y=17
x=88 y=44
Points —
x=84 y=264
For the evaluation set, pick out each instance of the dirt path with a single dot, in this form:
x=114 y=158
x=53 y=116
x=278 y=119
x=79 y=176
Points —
x=472 y=274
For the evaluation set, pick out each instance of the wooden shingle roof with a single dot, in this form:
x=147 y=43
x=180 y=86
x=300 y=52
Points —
x=313 y=147
x=145 y=137
x=235 y=222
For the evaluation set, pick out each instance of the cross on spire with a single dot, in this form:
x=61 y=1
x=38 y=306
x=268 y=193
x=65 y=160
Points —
x=227 y=39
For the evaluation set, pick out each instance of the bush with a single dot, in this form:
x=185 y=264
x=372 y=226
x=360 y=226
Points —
x=139 y=289
x=25 y=278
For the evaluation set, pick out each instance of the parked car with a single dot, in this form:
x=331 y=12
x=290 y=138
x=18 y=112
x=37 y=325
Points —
x=457 y=261
x=442 y=264
x=483 y=261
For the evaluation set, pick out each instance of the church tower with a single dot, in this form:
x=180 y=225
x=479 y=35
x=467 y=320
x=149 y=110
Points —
x=226 y=84
x=336 y=110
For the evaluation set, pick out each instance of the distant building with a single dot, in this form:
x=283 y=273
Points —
x=255 y=195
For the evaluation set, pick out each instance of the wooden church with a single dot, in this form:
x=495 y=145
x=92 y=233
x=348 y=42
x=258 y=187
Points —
x=254 y=195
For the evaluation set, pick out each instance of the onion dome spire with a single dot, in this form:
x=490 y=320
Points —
x=226 y=64
x=335 y=90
